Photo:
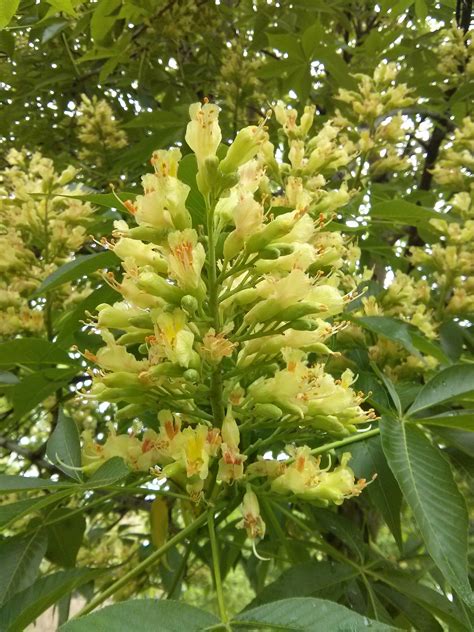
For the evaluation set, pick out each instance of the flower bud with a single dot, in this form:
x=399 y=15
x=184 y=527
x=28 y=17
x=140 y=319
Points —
x=244 y=148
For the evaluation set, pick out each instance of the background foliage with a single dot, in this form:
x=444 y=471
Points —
x=96 y=87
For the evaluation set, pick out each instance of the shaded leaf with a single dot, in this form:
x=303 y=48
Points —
x=20 y=558
x=34 y=388
x=65 y=536
x=32 y=352
x=428 y=486
x=368 y=459
x=22 y=609
x=304 y=580
x=390 y=328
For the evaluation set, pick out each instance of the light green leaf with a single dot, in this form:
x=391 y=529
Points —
x=8 y=9
x=462 y=419
x=402 y=212
x=22 y=609
x=453 y=382
x=32 y=352
x=428 y=486
x=63 y=5
x=308 y=615
x=152 y=615
x=109 y=473
x=80 y=266
x=20 y=558
x=304 y=580
x=64 y=446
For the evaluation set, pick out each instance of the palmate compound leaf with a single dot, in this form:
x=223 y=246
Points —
x=427 y=483
x=307 y=614
x=150 y=614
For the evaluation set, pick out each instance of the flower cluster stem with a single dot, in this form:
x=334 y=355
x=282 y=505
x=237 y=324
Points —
x=216 y=566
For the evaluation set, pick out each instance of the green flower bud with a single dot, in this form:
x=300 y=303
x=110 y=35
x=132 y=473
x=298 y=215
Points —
x=267 y=411
x=245 y=146
x=157 y=286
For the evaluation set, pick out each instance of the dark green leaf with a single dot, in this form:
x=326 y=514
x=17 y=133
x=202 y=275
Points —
x=13 y=511
x=453 y=382
x=304 y=580
x=368 y=459
x=308 y=615
x=65 y=536
x=153 y=615
x=23 y=483
x=80 y=266
x=427 y=483
x=32 y=352
x=64 y=446
x=22 y=609
x=34 y=388
x=20 y=558
x=390 y=328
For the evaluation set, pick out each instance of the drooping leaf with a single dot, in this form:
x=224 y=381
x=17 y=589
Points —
x=434 y=602
x=20 y=557
x=80 y=266
x=32 y=352
x=308 y=614
x=390 y=328
x=368 y=459
x=65 y=536
x=455 y=381
x=13 y=511
x=153 y=615
x=427 y=483
x=34 y=388
x=22 y=483
x=24 y=607
x=64 y=446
